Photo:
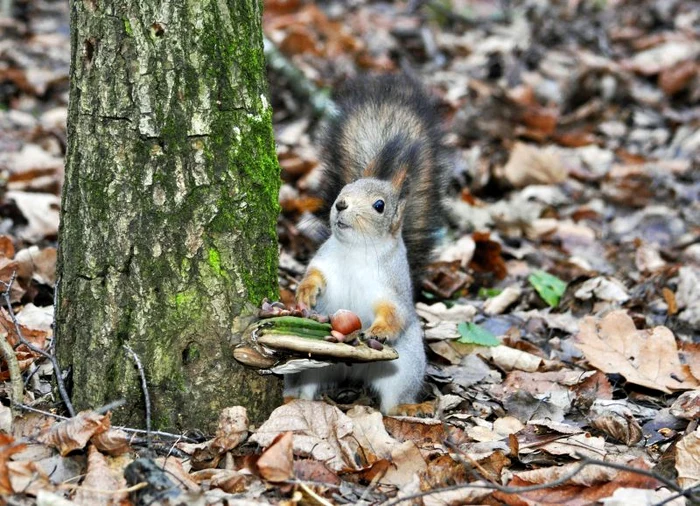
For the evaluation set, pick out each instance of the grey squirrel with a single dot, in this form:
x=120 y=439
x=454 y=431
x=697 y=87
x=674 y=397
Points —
x=383 y=183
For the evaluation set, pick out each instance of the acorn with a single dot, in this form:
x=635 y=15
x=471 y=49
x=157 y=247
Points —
x=346 y=322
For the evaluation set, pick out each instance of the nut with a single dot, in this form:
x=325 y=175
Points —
x=346 y=322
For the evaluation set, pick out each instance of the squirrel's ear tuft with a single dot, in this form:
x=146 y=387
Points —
x=398 y=180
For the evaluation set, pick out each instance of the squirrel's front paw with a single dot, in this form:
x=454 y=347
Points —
x=310 y=288
x=381 y=332
x=386 y=325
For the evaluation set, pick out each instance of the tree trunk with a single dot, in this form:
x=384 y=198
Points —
x=169 y=207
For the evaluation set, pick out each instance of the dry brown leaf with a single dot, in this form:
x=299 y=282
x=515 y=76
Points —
x=688 y=460
x=311 y=470
x=232 y=429
x=8 y=447
x=487 y=256
x=510 y=359
x=173 y=466
x=687 y=406
x=37 y=264
x=690 y=353
x=588 y=486
x=7 y=247
x=676 y=78
x=531 y=165
x=644 y=357
x=321 y=431
x=41 y=212
x=368 y=428
x=277 y=461
x=112 y=441
x=422 y=430
x=621 y=428
x=406 y=463
x=99 y=477
x=471 y=495
x=74 y=433
x=229 y=480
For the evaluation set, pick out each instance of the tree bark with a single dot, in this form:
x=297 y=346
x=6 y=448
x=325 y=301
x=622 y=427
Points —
x=169 y=207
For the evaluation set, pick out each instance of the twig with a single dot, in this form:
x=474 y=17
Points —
x=133 y=488
x=585 y=462
x=13 y=367
x=688 y=492
x=56 y=369
x=125 y=429
x=146 y=396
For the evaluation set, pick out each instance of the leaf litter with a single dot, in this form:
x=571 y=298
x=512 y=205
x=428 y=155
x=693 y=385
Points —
x=573 y=240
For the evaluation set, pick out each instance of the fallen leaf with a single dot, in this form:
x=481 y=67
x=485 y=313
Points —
x=608 y=289
x=472 y=333
x=549 y=287
x=232 y=429
x=499 y=303
x=277 y=461
x=112 y=441
x=99 y=477
x=688 y=460
x=529 y=164
x=321 y=431
x=41 y=212
x=74 y=433
x=644 y=357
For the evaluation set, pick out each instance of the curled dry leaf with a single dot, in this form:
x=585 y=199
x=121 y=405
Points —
x=688 y=460
x=687 y=406
x=499 y=303
x=112 y=442
x=321 y=431
x=99 y=477
x=621 y=428
x=276 y=464
x=531 y=165
x=8 y=447
x=232 y=429
x=644 y=357
x=230 y=481
x=74 y=433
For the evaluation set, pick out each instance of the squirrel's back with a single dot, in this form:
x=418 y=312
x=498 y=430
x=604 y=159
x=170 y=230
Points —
x=385 y=125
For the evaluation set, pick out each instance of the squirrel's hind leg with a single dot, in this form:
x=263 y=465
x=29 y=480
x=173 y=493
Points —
x=400 y=381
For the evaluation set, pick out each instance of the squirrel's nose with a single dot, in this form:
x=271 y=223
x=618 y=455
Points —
x=341 y=205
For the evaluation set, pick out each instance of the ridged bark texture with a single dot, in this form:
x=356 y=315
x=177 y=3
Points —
x=169 y=206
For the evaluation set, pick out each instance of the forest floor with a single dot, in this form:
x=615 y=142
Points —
x=562 y=315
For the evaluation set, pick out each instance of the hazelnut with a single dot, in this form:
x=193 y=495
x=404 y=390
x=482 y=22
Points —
x=346 y=322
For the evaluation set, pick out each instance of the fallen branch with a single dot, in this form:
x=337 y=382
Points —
x=52 y=358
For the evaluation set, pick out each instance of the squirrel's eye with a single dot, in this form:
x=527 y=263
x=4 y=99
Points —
x=379 y=206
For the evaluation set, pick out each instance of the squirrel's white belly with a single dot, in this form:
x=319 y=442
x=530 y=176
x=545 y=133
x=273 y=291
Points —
x=356 y=286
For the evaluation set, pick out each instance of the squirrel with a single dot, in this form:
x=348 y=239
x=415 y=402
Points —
x=384 y=173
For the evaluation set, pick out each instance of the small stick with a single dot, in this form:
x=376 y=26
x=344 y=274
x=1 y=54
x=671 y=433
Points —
x=585 y=462
x=56 y=369
x=125 y=429
x=133 y=488
x=13 y=367
x=146 y=396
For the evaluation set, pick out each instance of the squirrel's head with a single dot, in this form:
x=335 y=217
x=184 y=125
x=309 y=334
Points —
x=369 y=209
